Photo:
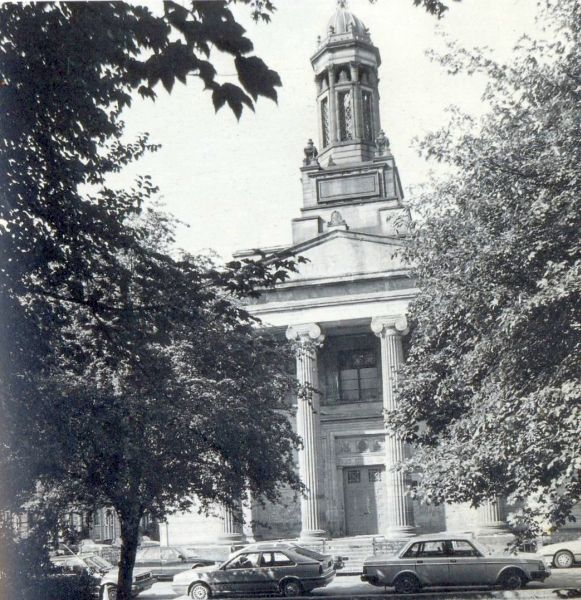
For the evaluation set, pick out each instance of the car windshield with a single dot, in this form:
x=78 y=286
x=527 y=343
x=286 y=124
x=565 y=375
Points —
x=98 y=563
x=482 y=548
x=309 y=553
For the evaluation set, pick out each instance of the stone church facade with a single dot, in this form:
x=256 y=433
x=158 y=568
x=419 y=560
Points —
x=346 y=310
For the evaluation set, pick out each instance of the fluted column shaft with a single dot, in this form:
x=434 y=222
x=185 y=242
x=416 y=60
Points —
x=231 y=526
x=308 y=337
x=491 y=517
x=399 y=505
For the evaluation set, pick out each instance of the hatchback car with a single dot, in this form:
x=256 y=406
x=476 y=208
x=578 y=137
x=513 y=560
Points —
x=291 y=571
x=432 y=561
x=165 y=561
x=562 y=555
x=104 y=573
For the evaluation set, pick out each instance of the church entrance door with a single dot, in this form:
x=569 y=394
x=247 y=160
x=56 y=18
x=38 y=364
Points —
x=365 y=500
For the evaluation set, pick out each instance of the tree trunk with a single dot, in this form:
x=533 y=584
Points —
x=129 y=520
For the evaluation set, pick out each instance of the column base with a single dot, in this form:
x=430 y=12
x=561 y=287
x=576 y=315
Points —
x=231 y=538
x=400 y=533
x=313 y=535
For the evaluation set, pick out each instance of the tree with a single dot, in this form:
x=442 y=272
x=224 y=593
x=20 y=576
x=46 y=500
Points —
x=491 y=391
x=176 y=397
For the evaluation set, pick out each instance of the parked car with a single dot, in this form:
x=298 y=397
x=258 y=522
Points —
x=562 y=555
x=104 y=572
x=291 y=571
x=165 y=561
x=451 y=560
x=338 y=561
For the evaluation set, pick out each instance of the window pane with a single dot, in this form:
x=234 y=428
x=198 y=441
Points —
x=367 y=116
x=433 y=549
x=281 y=560
x=353 y=476
x=325 y=121
x=345 y=116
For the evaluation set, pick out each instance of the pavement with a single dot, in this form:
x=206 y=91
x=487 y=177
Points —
x=562 y=584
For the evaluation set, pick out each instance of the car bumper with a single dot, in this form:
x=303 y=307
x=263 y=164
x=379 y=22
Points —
x=317 y=582
x=540 y=575
x=141 y=586
x=181 y=589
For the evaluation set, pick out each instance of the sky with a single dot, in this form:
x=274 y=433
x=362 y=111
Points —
x=236 y=185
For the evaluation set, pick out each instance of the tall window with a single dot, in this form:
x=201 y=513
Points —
x=345 y=116
x=366 y=98
x=351 y=368
x=325 y=121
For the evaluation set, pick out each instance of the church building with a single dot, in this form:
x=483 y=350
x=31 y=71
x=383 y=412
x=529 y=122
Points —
x=346 y=310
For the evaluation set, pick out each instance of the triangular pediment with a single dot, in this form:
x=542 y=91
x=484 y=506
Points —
x=346 y=254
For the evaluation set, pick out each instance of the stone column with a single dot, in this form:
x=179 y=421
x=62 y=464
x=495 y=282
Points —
x=357 y=110
x=333 y=120
x=308 y=337
x=399 y=505
x=231 y=527
x=491 y=518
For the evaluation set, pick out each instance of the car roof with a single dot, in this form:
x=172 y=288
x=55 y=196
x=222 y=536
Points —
x=441 y=537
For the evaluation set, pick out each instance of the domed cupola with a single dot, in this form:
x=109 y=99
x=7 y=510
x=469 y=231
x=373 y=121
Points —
x=344 y=21
x=345 y=66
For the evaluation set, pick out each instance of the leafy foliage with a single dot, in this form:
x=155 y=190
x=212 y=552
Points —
x=491 y=396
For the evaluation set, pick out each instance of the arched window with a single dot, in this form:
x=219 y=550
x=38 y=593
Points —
x=345 y=116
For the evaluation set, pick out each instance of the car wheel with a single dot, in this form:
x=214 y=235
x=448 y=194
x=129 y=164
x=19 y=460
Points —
x=563 y=559
x=406 y=584
x=199 y=591
x=291 y=588
x=109 y=592
x=512 y=580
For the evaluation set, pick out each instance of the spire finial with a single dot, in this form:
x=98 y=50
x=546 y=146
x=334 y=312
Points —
x=342 y=3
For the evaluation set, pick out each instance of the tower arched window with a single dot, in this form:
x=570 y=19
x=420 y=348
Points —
x=325 y=121
x=367 y=106
x=345 y=116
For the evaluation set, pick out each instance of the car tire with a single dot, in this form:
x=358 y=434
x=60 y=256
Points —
x=291 y=588
x=563 y=560
x=108 y=592
x=406 y=584
x=512 y=580
x=200 y=591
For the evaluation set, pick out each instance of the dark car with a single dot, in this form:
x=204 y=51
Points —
x=165 y=561
x=291 y=571
x=104 y=573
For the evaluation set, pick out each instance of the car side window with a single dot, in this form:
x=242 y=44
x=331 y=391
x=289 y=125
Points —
x=462 y=548
x=169 y=554
x=412 y=551
x=275 y=559
x=244 y=561
x=432 y=549
x=150 y=554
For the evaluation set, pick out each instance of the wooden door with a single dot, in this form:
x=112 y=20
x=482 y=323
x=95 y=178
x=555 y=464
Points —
x=365 y=500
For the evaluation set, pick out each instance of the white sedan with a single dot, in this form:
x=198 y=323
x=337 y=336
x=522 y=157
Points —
x=562 y=555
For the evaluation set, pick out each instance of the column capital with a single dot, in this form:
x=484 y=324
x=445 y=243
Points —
x=384 y=326
x=307 y=332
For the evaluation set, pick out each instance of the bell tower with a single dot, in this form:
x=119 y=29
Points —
x=346 y=66
x=351 y=182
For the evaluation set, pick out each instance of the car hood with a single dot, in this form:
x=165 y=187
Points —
x=112 y=575
x=194 y=573
x=552 y=548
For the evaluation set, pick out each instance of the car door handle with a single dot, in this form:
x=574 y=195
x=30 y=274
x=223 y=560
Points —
x=453 y=560
x=420 y=562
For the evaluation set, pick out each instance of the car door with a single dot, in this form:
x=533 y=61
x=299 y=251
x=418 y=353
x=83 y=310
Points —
x=150 y=558
x=172 y=562
x=468 y=566
x=432 y=564
x=276 y=565
x=240 y=575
